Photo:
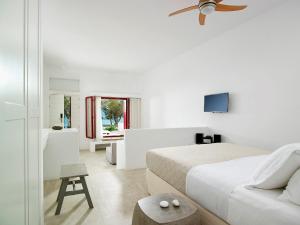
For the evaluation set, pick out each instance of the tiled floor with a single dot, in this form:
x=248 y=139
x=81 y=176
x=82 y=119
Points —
x=114 y=194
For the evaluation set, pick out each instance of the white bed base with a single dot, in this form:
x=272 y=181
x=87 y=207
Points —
x=156 y=185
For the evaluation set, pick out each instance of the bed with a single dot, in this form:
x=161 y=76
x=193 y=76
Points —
x=172 y=164
x=221 y=189
x=261 y=207
x=168 y=168
x=211 y=185
x=217 y=184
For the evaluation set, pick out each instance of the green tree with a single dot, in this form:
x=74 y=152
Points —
x=113 y=110
x=67 y=110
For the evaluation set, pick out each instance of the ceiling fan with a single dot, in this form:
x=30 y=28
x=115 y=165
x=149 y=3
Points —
x=207 y=7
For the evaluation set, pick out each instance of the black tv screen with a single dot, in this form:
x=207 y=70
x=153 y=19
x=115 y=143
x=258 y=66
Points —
x=216 y=103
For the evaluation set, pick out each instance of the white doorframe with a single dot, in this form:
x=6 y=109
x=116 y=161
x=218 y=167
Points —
x=20 y=95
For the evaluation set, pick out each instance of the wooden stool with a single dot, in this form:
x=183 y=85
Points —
x=148 y=211
x=68 y=176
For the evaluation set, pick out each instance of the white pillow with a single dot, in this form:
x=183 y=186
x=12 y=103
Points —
x=278 y=168
x=292 y=192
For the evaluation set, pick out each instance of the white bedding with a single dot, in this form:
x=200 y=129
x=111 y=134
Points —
x=261 y=207
x=210 y=185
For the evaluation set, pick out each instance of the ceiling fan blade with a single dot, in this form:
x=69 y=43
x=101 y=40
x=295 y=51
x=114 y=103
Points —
x=217 y=1
x=202 y=19
x=224 y=8
x=184 y=10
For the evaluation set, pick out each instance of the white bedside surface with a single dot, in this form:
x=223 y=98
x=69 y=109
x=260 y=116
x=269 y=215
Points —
x=62 y=147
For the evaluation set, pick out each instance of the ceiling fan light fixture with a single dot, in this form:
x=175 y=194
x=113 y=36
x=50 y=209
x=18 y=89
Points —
x=208 y=8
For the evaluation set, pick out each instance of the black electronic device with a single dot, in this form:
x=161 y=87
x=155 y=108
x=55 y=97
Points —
x=207 y=139
x=217 y=138
x=199 y=138
x=217 y=103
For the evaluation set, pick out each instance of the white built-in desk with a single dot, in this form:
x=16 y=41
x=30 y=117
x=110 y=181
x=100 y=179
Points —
x=60 y=148
x=103 y=143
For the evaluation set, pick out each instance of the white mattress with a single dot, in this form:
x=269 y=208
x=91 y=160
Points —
x=261 y=207
x=210 y=185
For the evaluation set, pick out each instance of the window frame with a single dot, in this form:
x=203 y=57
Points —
x=93 y=116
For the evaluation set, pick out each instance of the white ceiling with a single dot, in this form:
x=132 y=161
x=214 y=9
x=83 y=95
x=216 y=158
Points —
x=131 y=35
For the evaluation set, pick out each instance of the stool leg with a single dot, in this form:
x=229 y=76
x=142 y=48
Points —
x=61 y=196
x=86 y=191
x=59 y=192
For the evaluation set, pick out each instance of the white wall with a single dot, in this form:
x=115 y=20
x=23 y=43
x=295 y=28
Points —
x=137 y=142
x=105 y=84
x=91 y=82
x=56 y=110
x=70 y=85
x=257 y=62
x=57 y=80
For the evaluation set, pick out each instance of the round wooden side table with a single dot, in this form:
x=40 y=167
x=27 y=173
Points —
x=148 y=211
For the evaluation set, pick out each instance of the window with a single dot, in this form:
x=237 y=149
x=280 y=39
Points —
x=113 y=116
x=106 y=116
x=67 y=111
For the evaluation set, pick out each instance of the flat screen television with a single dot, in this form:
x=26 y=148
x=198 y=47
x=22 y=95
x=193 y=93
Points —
x=217 y=103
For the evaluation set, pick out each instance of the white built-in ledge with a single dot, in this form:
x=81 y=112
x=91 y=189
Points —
x=60 y=147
